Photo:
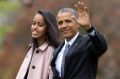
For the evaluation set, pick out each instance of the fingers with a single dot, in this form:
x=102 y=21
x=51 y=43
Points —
x=80 y=6
x=77 y=7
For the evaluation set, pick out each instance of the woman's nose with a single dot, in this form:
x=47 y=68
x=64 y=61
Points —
x=34 y=27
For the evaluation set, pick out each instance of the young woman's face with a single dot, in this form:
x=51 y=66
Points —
x=38 y=27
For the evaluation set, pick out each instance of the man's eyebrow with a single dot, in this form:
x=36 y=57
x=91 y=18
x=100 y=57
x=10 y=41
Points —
x=60 y=21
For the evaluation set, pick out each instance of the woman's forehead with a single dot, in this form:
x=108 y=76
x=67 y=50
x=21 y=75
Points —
x=38 y=17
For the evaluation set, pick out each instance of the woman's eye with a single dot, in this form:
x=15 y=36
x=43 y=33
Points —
x=41 y=24
x=33 y=23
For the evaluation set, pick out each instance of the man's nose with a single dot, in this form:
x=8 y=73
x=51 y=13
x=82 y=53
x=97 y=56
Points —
x=64 y=25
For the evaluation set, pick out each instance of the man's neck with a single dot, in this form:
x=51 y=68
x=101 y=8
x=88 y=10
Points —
x=72 y=39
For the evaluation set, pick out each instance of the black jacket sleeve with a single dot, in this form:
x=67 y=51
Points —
x=98 y=43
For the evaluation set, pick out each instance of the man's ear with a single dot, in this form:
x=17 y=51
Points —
x=75 y=19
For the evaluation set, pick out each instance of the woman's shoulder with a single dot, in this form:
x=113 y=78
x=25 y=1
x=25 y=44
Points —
x=51 y=47
x=29 y=47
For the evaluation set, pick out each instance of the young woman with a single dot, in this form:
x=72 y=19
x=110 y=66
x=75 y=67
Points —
x=36 y=64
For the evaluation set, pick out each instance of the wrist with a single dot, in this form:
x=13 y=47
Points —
x=87 y=27
x=90 y=29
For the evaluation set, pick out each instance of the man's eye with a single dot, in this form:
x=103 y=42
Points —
x=60 y=22
x=68 y=21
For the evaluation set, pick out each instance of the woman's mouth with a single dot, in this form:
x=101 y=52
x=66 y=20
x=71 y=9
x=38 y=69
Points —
x=34 y=33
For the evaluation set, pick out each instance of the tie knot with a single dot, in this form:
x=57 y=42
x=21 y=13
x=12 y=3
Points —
x=67 y=46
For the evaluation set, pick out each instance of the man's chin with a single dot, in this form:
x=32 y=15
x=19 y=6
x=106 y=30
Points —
x=67 y=36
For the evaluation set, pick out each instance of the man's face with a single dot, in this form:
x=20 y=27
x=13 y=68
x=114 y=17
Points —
x=67 y=25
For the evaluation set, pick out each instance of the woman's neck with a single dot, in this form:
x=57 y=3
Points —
x=41 y=41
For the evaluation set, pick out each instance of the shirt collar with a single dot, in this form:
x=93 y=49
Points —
x=72 y=40
x=44 y=47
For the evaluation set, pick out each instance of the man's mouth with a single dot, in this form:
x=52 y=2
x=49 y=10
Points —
x=65 y=31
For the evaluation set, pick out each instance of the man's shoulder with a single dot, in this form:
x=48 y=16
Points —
x=85 y=37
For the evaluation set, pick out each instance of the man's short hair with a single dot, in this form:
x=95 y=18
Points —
x=72 y=11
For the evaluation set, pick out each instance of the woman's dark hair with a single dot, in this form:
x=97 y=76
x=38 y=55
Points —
x=52 y=34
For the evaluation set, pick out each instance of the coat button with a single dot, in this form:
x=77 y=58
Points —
x=33 y=67
x=37 y=50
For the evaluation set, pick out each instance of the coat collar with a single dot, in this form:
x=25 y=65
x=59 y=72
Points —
x=72 y=40
x=43 y=47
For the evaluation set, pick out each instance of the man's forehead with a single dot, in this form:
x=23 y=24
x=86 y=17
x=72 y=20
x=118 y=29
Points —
x=64 y=15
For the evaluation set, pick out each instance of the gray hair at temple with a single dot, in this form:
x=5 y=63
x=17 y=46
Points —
x=72 y=11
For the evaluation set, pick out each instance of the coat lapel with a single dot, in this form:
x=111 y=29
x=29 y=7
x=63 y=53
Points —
x=72 y=49
x=73 y=46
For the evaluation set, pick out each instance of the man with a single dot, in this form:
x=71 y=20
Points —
x=77 y=57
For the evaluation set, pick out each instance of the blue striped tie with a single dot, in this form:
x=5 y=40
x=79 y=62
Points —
x=63 y=59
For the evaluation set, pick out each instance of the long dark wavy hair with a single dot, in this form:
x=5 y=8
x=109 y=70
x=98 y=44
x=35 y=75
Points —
x=52 y=34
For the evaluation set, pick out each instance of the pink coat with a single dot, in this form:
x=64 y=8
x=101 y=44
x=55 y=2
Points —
x=39 y=68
